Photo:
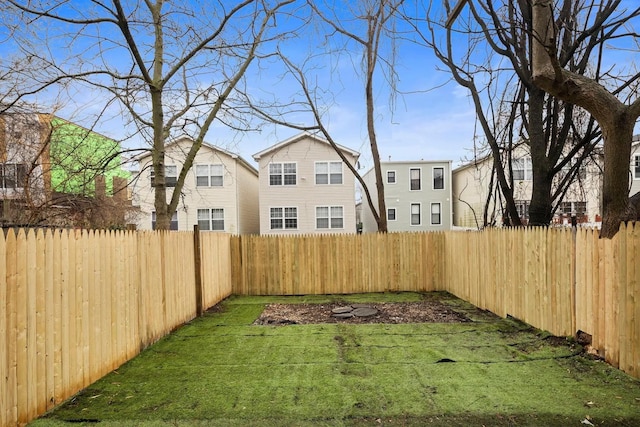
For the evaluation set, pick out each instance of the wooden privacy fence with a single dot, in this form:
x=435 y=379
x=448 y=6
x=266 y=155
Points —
x=77 y=304
x=559 y=280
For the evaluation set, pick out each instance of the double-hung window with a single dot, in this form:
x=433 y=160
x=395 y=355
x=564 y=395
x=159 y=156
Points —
x=436 y=214
x=172 y=226
x=522 y=170
x=636 y=166
x=282 y=174
x=391 y=214
x=329 y=217
x=283 y=218
x=211 y=219
x=414 y=176
x=391 y=177
x=13 y=175
x=438 y=178
x=170 y=176
x=209 y=175
x=416 y=218
x=329 y=173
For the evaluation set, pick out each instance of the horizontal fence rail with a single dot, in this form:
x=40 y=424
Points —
x=77 y=304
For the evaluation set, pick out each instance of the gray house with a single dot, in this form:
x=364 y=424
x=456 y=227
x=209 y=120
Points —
x=417 y=196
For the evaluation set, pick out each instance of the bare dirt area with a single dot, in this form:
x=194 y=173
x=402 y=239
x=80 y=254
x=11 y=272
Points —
x=404 y=312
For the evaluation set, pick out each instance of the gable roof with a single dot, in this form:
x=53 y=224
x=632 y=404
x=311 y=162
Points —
x=300 y=137
x=212 y=147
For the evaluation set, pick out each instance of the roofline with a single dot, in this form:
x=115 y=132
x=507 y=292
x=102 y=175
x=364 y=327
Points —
x=297 y=138
x=233 y=155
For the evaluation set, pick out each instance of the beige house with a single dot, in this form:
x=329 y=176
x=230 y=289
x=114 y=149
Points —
x=417 y=196
x=472 y=183
x=220 y=191
x=305 y=188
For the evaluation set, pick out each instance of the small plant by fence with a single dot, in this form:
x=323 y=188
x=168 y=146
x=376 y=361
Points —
x=77 y=304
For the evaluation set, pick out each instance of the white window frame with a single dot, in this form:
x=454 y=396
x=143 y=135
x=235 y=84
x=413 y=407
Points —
x=170 y=175
x=211 y=173
x=419 y=179
x=283 y=174
x=411 y=213
x=395 y=214
x=395 y=177
x=172 y=226
x=522 y=164
x=213 y=221
x=330 y=175
x=283 y=217
x=439 y=213
x=433 y=172
x=332 y=214
x=636 y=166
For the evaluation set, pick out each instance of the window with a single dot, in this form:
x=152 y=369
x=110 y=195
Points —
x=13 y=175
x=391 y=214
x=523 y=208
x=391 y=177
x=329 y=217
x=211 y=219
x=636 y=167
x=172 y=226
x=415 y=214
x=209 y=175
x=170 y=176
x=522 y=170
x=282 y=174
x=414 y=175
x=436 y=214
x=438 y=178
x=329 y=173
x=573 y=208
x=284 y=218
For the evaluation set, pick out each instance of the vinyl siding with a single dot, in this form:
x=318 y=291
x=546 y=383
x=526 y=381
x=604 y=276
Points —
x=400 y=196
x=194 y=197
x=306 y=195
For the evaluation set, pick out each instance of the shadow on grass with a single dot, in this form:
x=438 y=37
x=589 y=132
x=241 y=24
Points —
x=222 y=370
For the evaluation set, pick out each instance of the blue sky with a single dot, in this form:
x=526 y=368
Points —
x=433 y=118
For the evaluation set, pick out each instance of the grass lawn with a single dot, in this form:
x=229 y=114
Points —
x=220 y=370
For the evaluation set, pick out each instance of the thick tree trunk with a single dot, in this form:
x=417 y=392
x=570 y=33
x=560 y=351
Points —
x=540 y=207
x=614 y=117
x=615 y=186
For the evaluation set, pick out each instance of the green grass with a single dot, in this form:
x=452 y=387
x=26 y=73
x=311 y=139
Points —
x=220 y=370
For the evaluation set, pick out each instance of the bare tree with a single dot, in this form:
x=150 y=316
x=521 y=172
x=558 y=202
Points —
x=616 y=109
x=362 y=27
x=495 y=66
x=173 y=67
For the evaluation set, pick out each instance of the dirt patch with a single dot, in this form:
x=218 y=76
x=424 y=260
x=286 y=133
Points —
x=404 y=312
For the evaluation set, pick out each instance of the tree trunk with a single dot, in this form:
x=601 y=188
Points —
x=540 y=207
x=615 y=186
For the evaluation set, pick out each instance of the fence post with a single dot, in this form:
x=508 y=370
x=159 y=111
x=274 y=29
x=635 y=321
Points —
x=198 y=271
x=574 y=278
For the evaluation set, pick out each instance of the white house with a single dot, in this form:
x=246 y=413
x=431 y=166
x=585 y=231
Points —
x=305 y=187
x=220 y=191
x=472 y=187
x=417 y=196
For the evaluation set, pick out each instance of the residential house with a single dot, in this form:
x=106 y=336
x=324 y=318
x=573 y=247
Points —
x=49 y=167
x=305 y=187
x=417 y=196
x=474 y=186
x=220 y=192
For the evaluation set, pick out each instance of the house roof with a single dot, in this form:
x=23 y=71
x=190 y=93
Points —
x=300 y=137
x=209 y=146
